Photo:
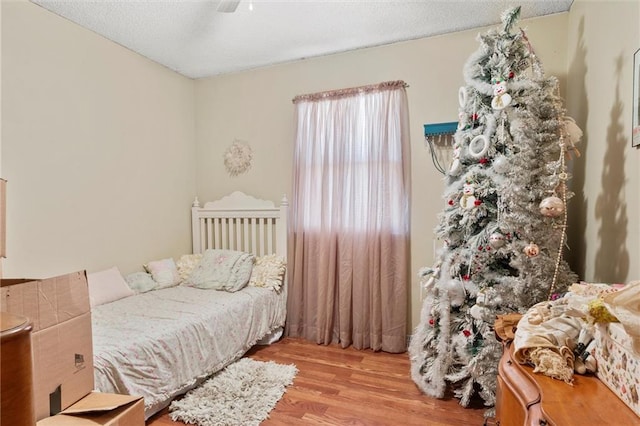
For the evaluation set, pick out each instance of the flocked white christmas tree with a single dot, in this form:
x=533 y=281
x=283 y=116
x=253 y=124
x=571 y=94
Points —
x=503 y=227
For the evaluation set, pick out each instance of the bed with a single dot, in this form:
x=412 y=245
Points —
x=161 y=343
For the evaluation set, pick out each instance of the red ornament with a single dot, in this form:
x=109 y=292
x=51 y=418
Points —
x=466 y=277
x=467 y=333
x=450 y=202
x=431 y=321
x=488 y=248
x=477 y=202
x=483 y=160
x=511 y=74
x=480 y=248
x=474 y=117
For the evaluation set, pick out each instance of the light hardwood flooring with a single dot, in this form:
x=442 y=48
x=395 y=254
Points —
x=336 y=386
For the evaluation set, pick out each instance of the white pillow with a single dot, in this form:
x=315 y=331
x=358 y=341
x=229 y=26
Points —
x=141 y=282
x=268 y=272
x=107 y=286
x=186 y=264
x=164 y=272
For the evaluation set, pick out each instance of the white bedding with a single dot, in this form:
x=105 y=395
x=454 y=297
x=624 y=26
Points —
x=159 y=344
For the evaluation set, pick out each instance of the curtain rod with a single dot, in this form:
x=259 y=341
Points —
x=341 y=93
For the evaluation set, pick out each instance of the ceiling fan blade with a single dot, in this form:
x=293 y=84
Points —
x=228 y=6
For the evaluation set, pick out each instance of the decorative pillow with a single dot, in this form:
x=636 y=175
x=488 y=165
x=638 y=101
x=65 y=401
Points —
x=268 y=272
x=222 y=270
x=164 y=272
x=141 y=282
x=107 y=286
x=186 y=264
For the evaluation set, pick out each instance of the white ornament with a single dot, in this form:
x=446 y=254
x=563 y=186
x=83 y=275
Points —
x=237 y=158
x=462 y=120
x=455 y=165
x=496 y=240
x=432 y=273
x=500 y=164
x=532 y=250
x=468 y=199
x=456 y=292
x=551 y=207
x=481 y=298
x=501 y=99
x=462 y=96
x=478 y=146
x=478 y=312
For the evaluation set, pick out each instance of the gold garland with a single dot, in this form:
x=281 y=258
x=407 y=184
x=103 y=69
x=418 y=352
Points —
x=563 y=187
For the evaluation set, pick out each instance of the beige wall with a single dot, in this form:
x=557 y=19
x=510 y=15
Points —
x=97 y=147
x=605 y=214
x=255 y=106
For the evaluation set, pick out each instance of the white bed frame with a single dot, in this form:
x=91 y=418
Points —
x=244 y=223
x=240 y=222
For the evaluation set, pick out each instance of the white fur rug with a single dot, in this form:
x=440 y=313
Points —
x=242 y=394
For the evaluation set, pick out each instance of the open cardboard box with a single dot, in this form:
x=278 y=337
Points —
x=62 y=348
x=104 y=409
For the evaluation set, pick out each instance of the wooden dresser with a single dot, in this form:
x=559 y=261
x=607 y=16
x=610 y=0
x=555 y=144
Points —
x=525 y=398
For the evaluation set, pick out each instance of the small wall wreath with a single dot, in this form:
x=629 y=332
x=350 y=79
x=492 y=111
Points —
x=237 y=158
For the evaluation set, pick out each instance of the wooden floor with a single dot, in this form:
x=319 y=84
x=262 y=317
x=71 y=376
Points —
x=336 y=386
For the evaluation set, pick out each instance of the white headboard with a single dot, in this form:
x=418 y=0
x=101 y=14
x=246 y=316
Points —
x=240 y=222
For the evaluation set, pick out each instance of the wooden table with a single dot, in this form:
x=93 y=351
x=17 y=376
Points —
x=528 y=398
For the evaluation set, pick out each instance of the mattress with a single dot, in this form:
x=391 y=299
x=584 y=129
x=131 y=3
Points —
x=161 y=343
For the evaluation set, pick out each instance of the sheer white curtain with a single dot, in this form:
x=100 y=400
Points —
x=349 y=235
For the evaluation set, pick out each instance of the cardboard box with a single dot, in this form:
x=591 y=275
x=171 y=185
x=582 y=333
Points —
x=100 y=409
x=3 y=220
x=62 y=347
x=618 y=363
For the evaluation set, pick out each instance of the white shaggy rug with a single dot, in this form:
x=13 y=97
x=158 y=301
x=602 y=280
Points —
x=242 y=394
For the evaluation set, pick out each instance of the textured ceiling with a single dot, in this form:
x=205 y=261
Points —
x=193 y=38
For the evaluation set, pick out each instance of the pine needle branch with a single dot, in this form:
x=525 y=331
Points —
x=510 y=17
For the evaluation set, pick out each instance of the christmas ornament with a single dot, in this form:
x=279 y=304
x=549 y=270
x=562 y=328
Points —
x=551 y=207
x=455 y=165
x=572 y=130
x=501 y=99
x=478 y=146
x=481 y=298
x=532 y=250
x=433 y=274
x=479 y=312
x=462 y=96
x=496 y=240
x=500 y=164
x=455 y=291
x=462 y=120
x=468 y=199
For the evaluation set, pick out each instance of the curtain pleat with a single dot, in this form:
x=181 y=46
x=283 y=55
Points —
x=349 y=227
